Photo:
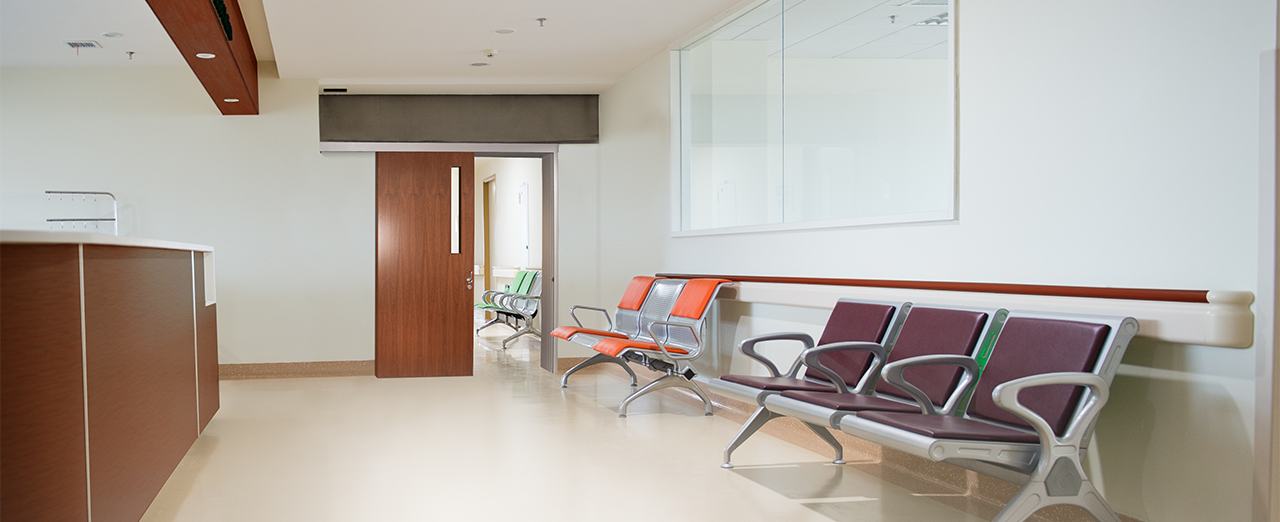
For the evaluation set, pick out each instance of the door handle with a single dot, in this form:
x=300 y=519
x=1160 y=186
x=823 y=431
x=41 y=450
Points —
x=470 y=277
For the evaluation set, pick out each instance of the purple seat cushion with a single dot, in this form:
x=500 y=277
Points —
x=1031 y=346
x=850 y=401
x=948 y=427
x=776 y=383
x=934 y=331
x=852 y=321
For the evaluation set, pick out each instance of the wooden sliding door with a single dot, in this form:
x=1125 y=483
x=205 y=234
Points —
x=426 y=246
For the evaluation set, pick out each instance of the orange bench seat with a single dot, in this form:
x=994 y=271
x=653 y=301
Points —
x=613 y=347
x=565 y=332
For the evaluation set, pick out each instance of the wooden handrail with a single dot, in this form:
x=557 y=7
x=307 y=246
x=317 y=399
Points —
x=1139 y=294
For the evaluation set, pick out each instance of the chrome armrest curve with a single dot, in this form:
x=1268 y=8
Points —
x=574 y=308
x=693 y=354
x=810 y=359
x=748 y=348
x=893 y=373
x=1006 y=396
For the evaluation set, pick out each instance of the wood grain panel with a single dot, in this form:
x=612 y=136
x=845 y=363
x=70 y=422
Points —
x=206 y=348
x=42 y=450
x=141 y=373
x=423 y=305
x=195 y=28
x=1139 y=294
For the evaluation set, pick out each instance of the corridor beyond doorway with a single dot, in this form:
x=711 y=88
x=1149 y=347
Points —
x=508 y=222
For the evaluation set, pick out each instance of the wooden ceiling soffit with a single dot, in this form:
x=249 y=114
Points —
x=202 y=26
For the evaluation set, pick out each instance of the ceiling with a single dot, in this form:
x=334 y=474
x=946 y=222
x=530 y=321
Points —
x=844 y=28
x=382 y=46
x=428 y=46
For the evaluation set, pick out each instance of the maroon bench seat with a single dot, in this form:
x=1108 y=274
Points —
x=927 y=330
x=1032 y=414
x=854 y=332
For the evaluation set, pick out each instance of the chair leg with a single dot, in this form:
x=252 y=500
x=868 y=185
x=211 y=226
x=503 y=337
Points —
x=757 y=420
x=598 y=358
x=491 y=322
x=522 y=331
x=1065 y=483
x=825 y=435
x=666 y=381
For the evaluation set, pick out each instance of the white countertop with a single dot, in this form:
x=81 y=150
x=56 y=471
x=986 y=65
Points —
x=88 y=238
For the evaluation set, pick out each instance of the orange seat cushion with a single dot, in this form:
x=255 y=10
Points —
x=695 y=297
x=636 y=292
x=613 y=347
x=565 y=332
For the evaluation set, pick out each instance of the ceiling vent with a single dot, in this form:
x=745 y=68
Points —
x=84 y=44
x=942 y=19
x=932 y=2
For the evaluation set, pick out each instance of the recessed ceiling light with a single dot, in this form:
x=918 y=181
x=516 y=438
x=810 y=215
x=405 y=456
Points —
x=505 y=31
x=206 y=56
x=479 y=64
x=113 y=34
x=231 y=100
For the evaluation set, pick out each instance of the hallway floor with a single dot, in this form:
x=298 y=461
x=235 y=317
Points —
x=505 y=444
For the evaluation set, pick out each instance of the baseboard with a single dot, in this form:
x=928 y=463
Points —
x=228 y=372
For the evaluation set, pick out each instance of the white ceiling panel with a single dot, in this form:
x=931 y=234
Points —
x=877 y=50
x=837 y=40
x=34 y=34
x=937 y=52
x=899 y=16
x=821 y=14
x=434 y=42
x=918 y=34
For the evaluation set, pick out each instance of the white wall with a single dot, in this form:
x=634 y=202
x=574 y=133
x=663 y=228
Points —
x=579 y=248
x=293 y=229
x=507 y=238
x=1116 y=144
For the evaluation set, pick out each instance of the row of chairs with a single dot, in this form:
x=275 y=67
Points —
x=658 y=325
x=1015 y=395
x=515 y=306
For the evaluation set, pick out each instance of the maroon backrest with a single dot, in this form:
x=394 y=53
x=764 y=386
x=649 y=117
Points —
x=1030 y=346
x=935 y=331
x=852 y=321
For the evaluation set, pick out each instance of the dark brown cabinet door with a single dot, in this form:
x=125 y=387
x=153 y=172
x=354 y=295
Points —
x=425 y=243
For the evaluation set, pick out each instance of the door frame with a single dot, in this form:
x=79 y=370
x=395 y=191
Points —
x=549 y=154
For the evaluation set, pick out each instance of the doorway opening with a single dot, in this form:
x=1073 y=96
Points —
x=509 y=249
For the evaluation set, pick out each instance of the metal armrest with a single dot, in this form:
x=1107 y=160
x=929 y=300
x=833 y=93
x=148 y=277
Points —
x=748 y=348
x=893 y=373
x=810 y=358
x=575 y=308
x=1006 y=396
x=510 y=303
x=671 y=356
x=488 y=296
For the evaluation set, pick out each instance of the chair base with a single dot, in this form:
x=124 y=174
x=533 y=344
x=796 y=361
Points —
x=1064 y=483
x=598 y=358
x=761 y=417
x=667 y=381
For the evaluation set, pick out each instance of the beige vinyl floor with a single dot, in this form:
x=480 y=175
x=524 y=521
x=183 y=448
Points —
x=505 y=444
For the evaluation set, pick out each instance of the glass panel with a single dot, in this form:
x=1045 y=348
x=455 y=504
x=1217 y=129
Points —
x=455 y=173
x=838 y=111
x=732 y=152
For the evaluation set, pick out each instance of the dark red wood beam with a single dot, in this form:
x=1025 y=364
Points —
x=1140 y=294
x=232 y=74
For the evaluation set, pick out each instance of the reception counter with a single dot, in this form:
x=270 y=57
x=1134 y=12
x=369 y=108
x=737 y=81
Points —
x=108 y=370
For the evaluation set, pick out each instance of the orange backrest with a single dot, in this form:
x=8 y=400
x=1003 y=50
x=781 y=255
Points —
x=636 y=292
x=696 y=295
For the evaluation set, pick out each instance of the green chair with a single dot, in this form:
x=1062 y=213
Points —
x=516 y=306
